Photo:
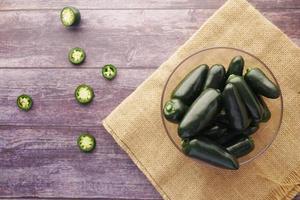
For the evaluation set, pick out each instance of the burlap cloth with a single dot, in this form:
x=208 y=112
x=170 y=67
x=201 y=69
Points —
x=137 y=127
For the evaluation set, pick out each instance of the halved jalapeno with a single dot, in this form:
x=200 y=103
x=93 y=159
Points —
x=76 y=56
x=70 y=16
x=86 y=142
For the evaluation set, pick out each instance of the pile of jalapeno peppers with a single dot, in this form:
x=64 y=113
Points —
x=217 y=111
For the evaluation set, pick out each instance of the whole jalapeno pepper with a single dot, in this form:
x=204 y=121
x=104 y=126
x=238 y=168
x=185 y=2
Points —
x=240 y=146
x=215 y=77
x=200 y=114
x=251 y=129
x=208 y=151
x=174 y=110
x=248 y=97
x=236 y=66
x=266 y=111
x=235 y=108
x=191 y=86
x=261 y=84
x=213 y=131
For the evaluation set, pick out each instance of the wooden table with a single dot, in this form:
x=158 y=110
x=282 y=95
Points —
x=38 y=153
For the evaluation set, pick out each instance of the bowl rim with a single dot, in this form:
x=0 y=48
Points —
x=230 y=48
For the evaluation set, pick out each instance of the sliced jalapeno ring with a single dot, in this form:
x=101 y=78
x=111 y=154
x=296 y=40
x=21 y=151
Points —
x=24 y=102
x=84 y=94
x=109 y=71
x=77 y=56
x=70 y=16
x=86 y=142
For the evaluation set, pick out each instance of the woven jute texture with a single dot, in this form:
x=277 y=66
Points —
x=137 y=127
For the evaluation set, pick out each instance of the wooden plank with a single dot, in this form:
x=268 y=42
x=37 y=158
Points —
x=137 y=4
x=37 y=39
x=52 y=91
x=43 y=162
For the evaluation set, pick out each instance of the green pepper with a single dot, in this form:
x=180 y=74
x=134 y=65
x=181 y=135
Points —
x=215 y=77
x=251 y=129
x=24 y=102
x=174 y=110
x=261 y=84
x=226 y=137
x=236 y=66
x=240 y=146
x=76 y=56
x=266 y=111
x=207 y=151
x=200 y=114
x=248 y=97
x=86 y=142
x=191 y=86
x=221 y=119
x=235 y=108
x=84 y=94
x=109 y=71
x=70 y=16
x=213 y=131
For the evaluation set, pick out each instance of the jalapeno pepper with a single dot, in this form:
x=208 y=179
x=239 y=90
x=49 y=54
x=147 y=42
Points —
x=191 y=86
x=109 y=71
x=221 y=119
x=70 y=16
x=251 y=129
x=240 y=146
x=24 y=102
x=86 y=142
x=200 y=114
x=248 y=97
x=261 y=84
x=213 y=131
x=174 y=110
x=236 y=66
x=76 y=56
x=84 y=94
x=215 y=77
x=235 y=108
x=208 y=151
x=266 y=112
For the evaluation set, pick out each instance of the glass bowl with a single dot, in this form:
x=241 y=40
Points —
x=267 y=132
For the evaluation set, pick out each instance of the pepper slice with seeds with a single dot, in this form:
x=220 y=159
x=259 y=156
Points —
x=24 y=102
x=86 y=142
x=76 y=56
x=84 y=94
x=109 y=71
x=70 y=16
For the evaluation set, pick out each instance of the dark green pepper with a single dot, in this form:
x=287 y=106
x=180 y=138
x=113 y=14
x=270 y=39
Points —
x=207 y=151
x=251 y=129
x=266 y=111
x=221 y=119
x=215 y=77
x=227 y=137
x=236 y=66
x=213 y=131
x=241 y=146
x=235 y=108
x=200 y=114
x=248 y=97
x=174 y=110
x=191 y=86
x=261 y=84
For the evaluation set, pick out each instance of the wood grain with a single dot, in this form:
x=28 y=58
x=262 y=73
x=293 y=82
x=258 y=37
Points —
x=36 y=39
x=52 y=91
x=138 y=4
x=38 y=154
x=45 y=162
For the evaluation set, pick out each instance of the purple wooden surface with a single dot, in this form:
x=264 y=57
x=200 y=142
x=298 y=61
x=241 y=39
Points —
x=38 y=154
